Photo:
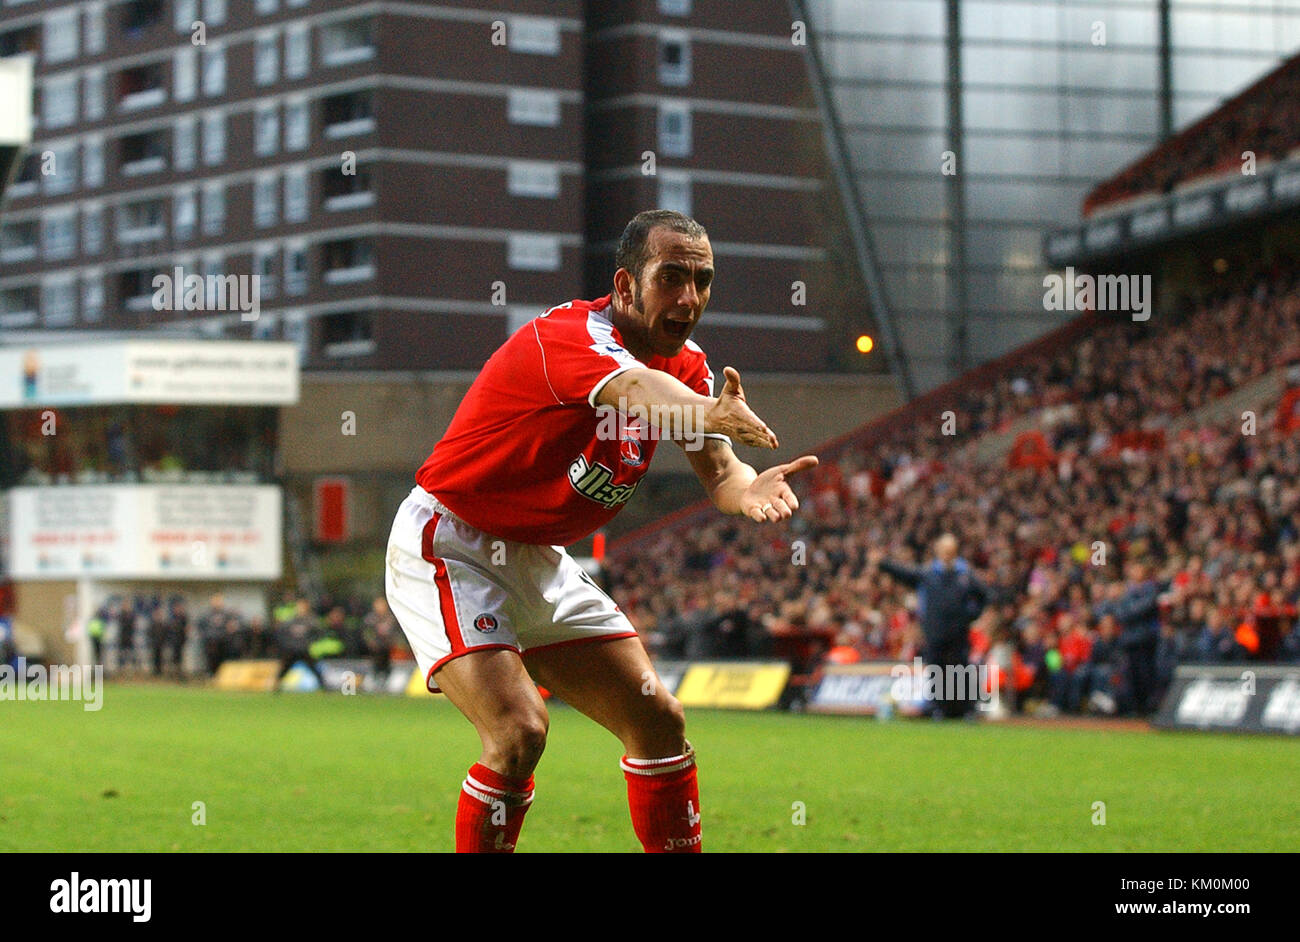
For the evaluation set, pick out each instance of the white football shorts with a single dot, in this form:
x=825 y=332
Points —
x=455 y=589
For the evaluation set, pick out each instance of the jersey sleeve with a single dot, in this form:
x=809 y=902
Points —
x=579 y=358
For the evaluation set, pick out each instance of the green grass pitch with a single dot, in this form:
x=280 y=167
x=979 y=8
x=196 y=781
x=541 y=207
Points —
x=309 y=772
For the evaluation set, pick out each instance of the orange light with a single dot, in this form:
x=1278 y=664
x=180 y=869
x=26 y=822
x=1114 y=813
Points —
x=865 y=344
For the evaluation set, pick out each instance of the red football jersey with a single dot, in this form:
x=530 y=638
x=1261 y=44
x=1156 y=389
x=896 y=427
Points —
x=528 y=457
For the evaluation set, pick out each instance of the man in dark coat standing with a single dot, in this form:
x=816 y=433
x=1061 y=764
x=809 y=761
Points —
x=949 y=598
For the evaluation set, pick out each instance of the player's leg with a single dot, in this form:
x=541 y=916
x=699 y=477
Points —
x=494 y=692
x=613 y=682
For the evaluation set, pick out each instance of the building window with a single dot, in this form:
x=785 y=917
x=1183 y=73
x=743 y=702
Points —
x=675 y=191
x=92 y=229
x=59 y=301
x=295 y=268
x=184 y=13
x=214 y=138
x=18 y=306
x=214 y=272
x=266 y=196
x=530 y=106
x=185 y=213
x=266 y=59
x=533 y=252
x=295 y=194
x=264 y=259
x=92 y=296
x=266 y=7
x=184 y=142
x=59 y=102
x=344 y=191
x=214 y=12
x=674 y=129
x=214 y=208
x=297 y=50
x=534 y=34
x=63 y=178
x=214 y=70
x=266 y=130
x=59 y=235
x=675 y=7
x=61 y=35
x=94 y=28
x=296 y=124
x=139 y=15
x=674 y=59
x=185 y=66
x=530 y=178
x=93 y=94
x=92 y=163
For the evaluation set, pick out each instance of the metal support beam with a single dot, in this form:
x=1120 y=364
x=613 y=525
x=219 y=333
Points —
x=851 y=198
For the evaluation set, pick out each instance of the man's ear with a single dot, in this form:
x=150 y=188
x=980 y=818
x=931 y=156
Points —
x=623 y=286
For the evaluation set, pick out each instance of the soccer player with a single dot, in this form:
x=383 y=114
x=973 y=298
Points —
x=549 y=442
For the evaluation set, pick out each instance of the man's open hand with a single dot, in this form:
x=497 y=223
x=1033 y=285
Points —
x=769 y=496
x=731 y=416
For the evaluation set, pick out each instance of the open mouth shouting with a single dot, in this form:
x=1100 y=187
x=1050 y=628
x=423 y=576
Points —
x=677 y=328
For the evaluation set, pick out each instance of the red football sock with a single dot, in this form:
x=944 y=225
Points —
x=491 y=811
x=664 y=798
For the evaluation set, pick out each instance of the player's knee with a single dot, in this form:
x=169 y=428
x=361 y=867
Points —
x=521 y=744
x=671 y=717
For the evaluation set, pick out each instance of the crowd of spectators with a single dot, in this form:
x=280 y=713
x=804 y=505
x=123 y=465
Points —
x=1264 y=120
x=1143 y=543
x=148 y=634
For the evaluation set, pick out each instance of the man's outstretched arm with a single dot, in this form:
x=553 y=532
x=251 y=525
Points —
x=736 y=488
x=670 y=402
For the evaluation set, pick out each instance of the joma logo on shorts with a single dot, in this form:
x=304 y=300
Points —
x=593 y=482
x=673 y=843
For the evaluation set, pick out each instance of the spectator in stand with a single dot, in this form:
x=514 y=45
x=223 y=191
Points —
x=949 y=599
x=1136 y=608
x=380 y=632
x=259 y=642
x=1095 y=682
x=1217 y=643
x=212 y=632
x=175 y=632
x=295 y=638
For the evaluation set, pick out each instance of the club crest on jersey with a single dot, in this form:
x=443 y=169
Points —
x=594 y=481
x=629 y=447
x=486 y=623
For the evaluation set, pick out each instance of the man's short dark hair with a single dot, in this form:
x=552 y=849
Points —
x=633 y=246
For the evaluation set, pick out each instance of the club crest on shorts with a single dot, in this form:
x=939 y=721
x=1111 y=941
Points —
x=486 y=623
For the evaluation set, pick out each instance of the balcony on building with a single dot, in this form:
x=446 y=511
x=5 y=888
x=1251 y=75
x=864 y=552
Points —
x=347 y=334
x=143 y=86
x=348 y=42
x=344 y=191
x=348 y=114
x=141 y=221
x=140 y=16
x=347 y=261
x=19 y=306
x=19 y=241
x=143 y=153
x=135 y=288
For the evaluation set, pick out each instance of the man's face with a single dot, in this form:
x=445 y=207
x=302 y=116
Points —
x=671 y=294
